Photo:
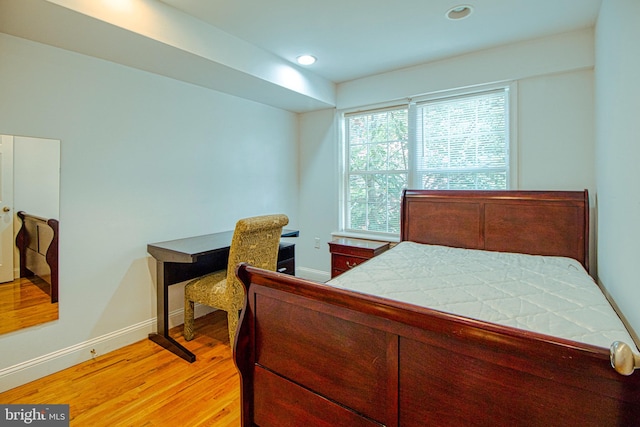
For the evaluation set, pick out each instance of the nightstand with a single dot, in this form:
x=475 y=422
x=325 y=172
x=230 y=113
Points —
x=347 y=253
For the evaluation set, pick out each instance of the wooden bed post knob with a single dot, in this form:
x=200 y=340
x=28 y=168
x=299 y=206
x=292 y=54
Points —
x=622 y=358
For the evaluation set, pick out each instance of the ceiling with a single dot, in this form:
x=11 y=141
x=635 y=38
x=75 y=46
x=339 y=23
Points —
x=247 y=48
x=357 y=38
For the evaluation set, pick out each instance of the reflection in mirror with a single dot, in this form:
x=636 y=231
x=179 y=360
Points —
x=29 y=209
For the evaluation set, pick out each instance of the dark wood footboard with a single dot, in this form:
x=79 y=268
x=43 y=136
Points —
x=310 y=354
x=37 y=243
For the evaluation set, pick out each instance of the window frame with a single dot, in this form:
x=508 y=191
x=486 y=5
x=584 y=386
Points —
x=410 y=105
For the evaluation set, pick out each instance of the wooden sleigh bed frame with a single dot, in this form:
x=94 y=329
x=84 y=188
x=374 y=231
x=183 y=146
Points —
x=316 y=355
x=37 y=243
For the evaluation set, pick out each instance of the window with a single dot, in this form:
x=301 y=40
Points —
x=378 y=169
x=457 y=142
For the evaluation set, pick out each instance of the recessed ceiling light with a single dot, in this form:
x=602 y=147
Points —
x=459 y=12
x=306 y=59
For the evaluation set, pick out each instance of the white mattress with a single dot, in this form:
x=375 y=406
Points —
x=550 y=295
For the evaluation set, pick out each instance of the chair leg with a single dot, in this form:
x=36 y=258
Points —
x=188 y=320
x=232 y=320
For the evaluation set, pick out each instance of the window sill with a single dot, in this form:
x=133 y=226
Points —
x=367 y=236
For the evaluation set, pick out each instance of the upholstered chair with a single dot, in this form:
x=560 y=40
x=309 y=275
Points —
x=255 y=241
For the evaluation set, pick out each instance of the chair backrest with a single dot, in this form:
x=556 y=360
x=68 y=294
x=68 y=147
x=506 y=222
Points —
x=255 y=241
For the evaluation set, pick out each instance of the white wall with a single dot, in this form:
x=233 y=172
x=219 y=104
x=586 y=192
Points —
x=144 y=158
x=618 y=152
x=533 y=58
x=556 y=131
x=555 y=116
x=319 y=183
x=36 y=176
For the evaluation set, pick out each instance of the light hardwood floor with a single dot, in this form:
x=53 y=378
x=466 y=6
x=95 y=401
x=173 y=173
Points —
x=145 y=385
x=24 y=303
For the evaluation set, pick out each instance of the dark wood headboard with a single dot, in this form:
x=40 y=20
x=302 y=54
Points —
x=554 y=223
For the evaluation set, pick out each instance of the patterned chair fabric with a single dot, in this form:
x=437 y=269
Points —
x=255 y=241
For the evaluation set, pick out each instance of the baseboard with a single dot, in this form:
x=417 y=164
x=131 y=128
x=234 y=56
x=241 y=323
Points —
x=30 y=370
x=47 y=364
x=311 y=274
x=176 y=317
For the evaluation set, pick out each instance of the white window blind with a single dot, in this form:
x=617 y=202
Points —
x=462 y=142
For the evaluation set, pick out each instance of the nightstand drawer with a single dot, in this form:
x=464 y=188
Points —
x=344 y=262
x=347 y=253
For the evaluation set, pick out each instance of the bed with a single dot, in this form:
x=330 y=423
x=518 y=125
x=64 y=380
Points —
x=37 y=243
x=331 y=355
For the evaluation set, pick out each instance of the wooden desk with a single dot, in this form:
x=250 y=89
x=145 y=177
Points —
x=184 y=259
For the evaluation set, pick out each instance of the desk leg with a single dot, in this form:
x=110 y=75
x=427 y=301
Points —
x=162 y=336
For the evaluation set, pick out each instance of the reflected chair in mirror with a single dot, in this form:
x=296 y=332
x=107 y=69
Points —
x=255 y=241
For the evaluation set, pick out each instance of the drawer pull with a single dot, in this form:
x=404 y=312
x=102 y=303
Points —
x=349 y=265
x=622 y=358
x=282 y=270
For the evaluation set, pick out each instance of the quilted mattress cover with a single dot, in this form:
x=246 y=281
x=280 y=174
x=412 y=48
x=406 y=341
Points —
x=550 y=295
